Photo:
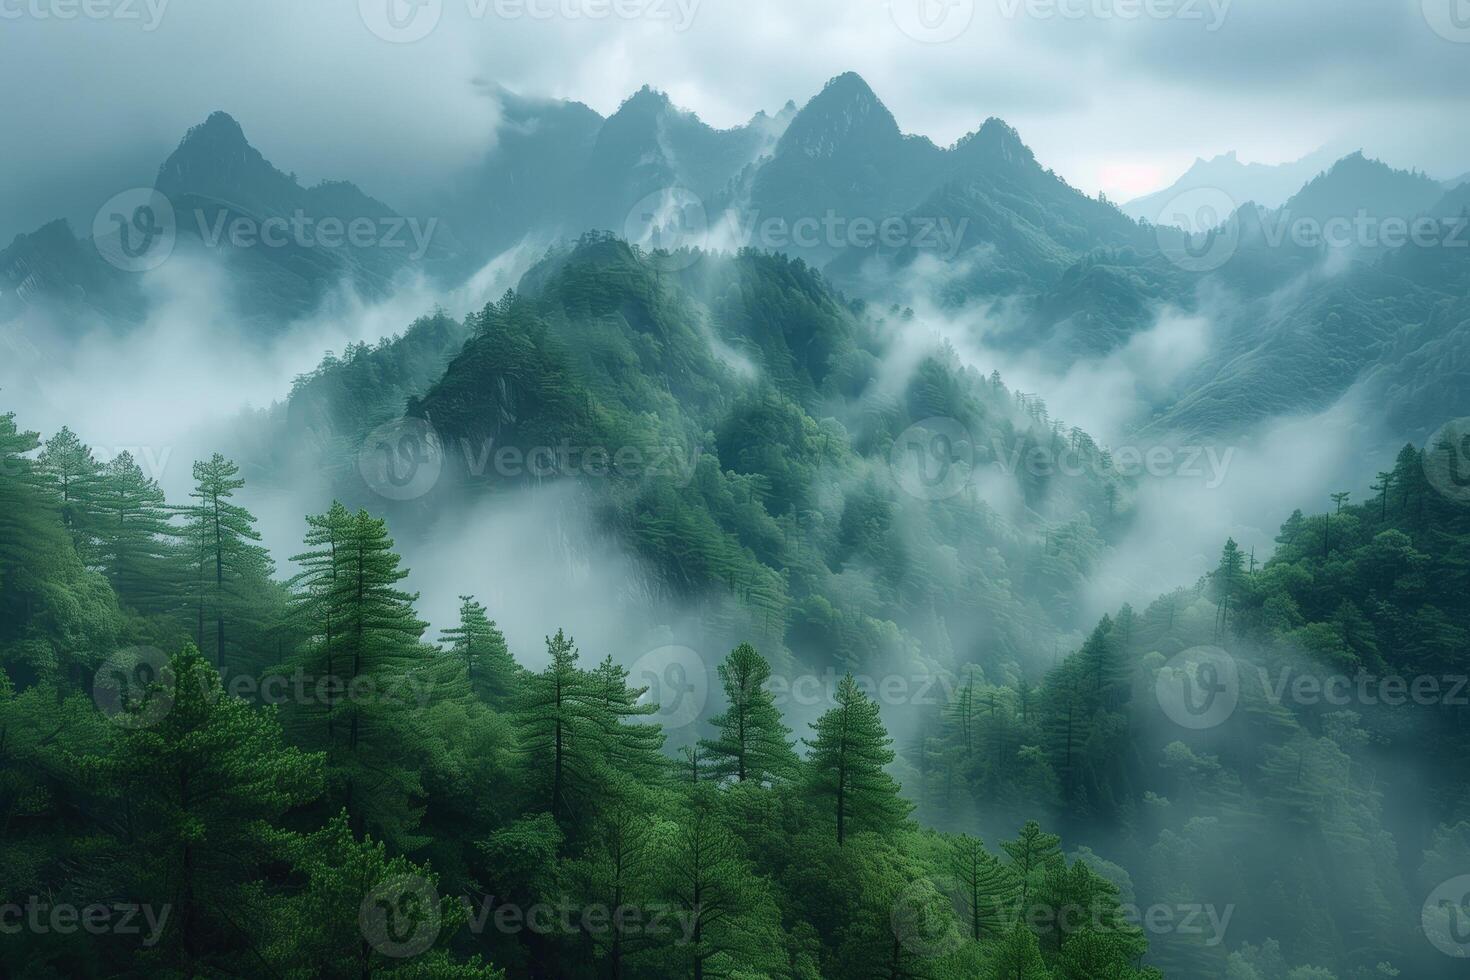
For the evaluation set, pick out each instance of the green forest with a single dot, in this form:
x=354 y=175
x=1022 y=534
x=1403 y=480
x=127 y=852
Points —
x=488 y=524
x=218 y=763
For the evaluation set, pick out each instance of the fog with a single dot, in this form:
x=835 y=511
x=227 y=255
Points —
x=314 y=86
x=1204 y=488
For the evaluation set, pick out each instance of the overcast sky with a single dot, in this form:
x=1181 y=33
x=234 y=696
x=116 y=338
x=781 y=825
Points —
x=1116 y=95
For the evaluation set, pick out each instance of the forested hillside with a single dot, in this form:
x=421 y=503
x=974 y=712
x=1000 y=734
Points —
x=328 y=791
x=1320 y=791
x=281 y=770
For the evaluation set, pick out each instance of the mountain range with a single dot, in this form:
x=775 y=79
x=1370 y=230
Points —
x=978 y=228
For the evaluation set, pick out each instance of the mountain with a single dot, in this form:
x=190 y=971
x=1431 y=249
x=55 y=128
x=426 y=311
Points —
x=980 y=225
x=285 y=248
x=649 y=146
x=1358 y=185
x=558 y=168
x=843 y=154
x=1002 y=220
x=50 y=270
x=1268 y=185
x=295 y=244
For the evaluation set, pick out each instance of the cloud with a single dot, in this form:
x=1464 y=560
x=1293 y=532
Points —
x=1096 y=95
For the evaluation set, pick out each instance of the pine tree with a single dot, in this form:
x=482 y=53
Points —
x=361 y=913
x=1032 y=854
x=559 y=726
x=631 y=749
x=375 y=740
x=1018 y=957
x=727 y=909
x=1226 y=582
x=229 y=566
x=132 y=537
x=27 y=515
x=199 y=790
x=847 y=761
x=476 y=641
x=754 y=744
x=68 y=467
x=987 y=887
x=1383 y=486
x=1292 y=528
x=618 y=870
x=316 y=605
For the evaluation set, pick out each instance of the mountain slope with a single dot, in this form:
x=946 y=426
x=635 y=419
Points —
x=1268 y=185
